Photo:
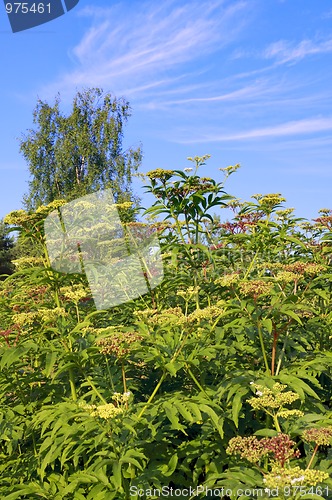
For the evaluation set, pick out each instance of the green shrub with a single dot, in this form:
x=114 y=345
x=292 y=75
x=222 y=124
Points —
x=219 y=379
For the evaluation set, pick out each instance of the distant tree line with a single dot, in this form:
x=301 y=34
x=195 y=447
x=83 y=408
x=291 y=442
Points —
x=71 y=155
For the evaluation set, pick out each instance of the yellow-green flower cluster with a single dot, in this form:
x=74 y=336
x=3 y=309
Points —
x=160 y=173
x=272 y=398
x=256 y=288
x=46 y=209
x=290 y=413
x=209 y=313
x=189 y=292
x=23 y=218
x=16 y=217
x=172 y=316
x=84 y=204
x=25 y=318
x=286 y=277
x=249 y=448
x=292 y=272
x=230 y=169
x=26 y=262
x=284 y=214
x=146 y=314
x=43 y=315
x=49 y=315
x=125 y=205
x=228 y=279
x=318 y=435
x=119 y=343
x=280 y=477
x=309 y=268
x=121 y=399
x=106 y=411
x=270 y=199
x=306 y=225
x=325 y=211
x=314 y=477
x=74 y=293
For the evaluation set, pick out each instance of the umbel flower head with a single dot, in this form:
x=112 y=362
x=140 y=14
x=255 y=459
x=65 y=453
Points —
x=173 y=316
x=293 y=476
x=102 y=411
x=321 y=436
x=249 y=448
x=22 y=218
x=230 y=169
x=272 y=398
x=256 y=288
x=160 y=173
x=228 y=280
x=269 y=200
x=280 y=447
x=119 y=343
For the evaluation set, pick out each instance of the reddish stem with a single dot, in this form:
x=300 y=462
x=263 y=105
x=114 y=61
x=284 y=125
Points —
x=313 y=456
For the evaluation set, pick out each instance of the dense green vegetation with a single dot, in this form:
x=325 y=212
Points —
x=219 y=378
x=6 y=252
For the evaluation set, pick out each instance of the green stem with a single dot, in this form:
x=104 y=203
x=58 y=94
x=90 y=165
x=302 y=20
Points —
x=156 y=389
x=282 y=353
x=94 y=388
x=260 y=334
x=110 y=375
x=48 y=262
x=123 y=377
x=276 y=423
x=251 y=265
x=197 y=382
x=196 y=230
x=77 y=313
x=124 y=380
x=274 y=350
x=196 y=294
x=72 y=384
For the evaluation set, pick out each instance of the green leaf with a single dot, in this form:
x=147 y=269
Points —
x=181 y=407
x=172 y=416
x=51 y=358
x=117 y=476
x=237 y=405
x=174 y=366
x=266 y=432
x=217 y=421
x=13 y=354
x=267 y=323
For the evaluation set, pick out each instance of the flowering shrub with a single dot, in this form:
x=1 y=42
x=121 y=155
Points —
x=280 y=449
x=220 y=377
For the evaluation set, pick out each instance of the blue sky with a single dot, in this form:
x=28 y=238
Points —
x=248 y=82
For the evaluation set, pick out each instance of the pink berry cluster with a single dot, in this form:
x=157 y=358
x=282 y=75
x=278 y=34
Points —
x=281 y=447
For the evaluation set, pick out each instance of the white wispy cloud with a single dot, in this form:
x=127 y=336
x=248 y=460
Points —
x=285 y=52
x=246 y=92
x=137 y=50
x=296 y=127
x=266 y=91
